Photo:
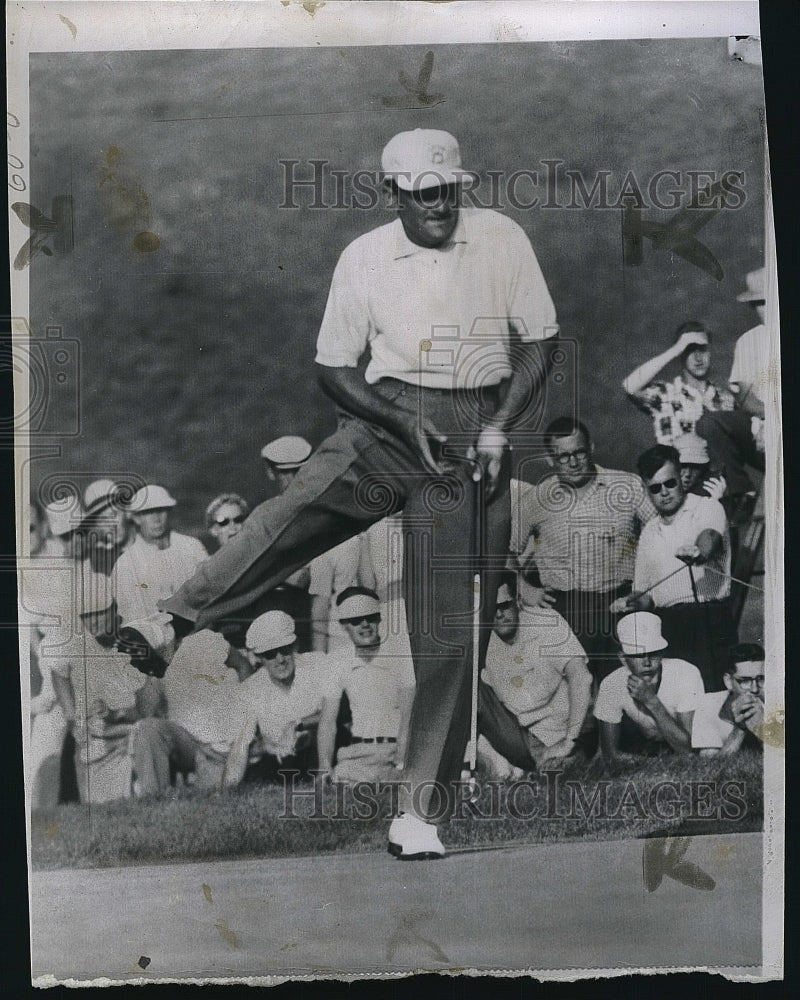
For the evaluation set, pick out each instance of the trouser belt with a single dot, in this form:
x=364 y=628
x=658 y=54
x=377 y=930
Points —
x=374 y=739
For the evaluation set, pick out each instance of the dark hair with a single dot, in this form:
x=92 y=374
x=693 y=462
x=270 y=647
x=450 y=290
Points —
x=354 y=592
x=692 y=326
x=743 y=652
x=563 y=427
x=509 y=578
x=650 y=461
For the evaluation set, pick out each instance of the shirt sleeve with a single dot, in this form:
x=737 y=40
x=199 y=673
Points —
x=345 y=329
x=608 y=707
x=713 y=516
x=529 y=304
x=705 y=735
x=405 y=673
x=691 y=688
x=651 y=398
x=321 y=572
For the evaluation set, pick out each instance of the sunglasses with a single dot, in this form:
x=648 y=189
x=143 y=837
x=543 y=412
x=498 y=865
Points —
x=371 y=619
x=271 y=654
x=656 y=488
x=223 y=522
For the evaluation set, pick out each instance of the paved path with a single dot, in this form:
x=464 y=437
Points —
x=564 y=906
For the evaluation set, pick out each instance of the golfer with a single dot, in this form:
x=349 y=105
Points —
x=449 y=305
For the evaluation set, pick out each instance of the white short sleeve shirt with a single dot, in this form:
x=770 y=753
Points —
x=709 y=731
x=276 y=709
x=680 y=690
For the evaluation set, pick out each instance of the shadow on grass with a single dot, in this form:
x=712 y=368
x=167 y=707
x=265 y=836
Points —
x=663 y=796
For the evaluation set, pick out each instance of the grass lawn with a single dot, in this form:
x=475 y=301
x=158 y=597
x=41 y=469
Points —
x=708 y=796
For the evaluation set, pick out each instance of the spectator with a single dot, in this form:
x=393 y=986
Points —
x=377 y=675
x=106 y=530
x=683 y=568
x=697 y=476
x=535 y=689
x=102 y=696
x=282 y=700
x=646 y=705
x=573 y=536
x=225 y=516
x=63 y=520
x=159 y=560
x=736 y=440
x=676 y=406
x=725 y=721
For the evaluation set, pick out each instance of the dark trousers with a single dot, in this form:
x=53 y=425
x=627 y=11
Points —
x=701 y=634
x=359 y=475
x=502 y=729
x=731 y=447
x=587 y=614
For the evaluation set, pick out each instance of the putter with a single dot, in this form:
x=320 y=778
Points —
x=477 y=478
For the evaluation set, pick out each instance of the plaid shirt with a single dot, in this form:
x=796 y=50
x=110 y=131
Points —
x=677 y=406
x=579 y=539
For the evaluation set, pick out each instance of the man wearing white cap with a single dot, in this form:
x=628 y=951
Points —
x=282 y=700
x=377 y=675
x=158 y=561
x=534 y=693
x=450 y=306
x=106 y=530
x=696 y=473
x=646 y=705
x=101 y=694
x=676 y=406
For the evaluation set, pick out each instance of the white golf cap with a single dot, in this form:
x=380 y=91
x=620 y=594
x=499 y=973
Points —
x=640 y=633
x=151 y=498
x=98 y=495
x=288 y=452
x=692 y=449
x=270 y=631
x=357 y=606
x=755 y=287
x=504 y=595
x=64 y=516
x=97 y=594
x=424 y=158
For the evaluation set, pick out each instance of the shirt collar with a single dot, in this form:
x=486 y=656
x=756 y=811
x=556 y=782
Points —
x=403 y=247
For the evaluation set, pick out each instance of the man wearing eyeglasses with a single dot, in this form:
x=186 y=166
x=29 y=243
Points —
x=377 y=675
x=573 y=536
x=725 y=721
x=683 y=568
x=282 y=700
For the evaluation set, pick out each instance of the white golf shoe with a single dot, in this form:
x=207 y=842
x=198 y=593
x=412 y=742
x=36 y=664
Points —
x=412 y=840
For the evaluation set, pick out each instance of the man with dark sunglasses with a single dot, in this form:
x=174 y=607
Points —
x=225 y=516
x=377 y=675
x=683 y=568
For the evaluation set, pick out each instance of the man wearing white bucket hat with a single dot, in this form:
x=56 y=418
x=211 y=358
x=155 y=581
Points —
x=159 y=560
x=106 y=530
x=450 y=305
x=646 y=705
x=377 y=675
x=282 y=700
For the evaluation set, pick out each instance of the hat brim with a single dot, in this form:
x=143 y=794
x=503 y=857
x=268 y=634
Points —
x=751 y=297
x=169 y=504
x=643 y=652
x=290 y=640
x=431 y=179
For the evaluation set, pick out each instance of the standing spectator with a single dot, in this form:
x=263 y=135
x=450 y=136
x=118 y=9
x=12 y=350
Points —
x=573 y=536
x=535 y=690
x=102 y=696
x=683 y=568
x=676 y=406
x=377 y=676
x=282 y=701
x=160 y=559
x=725 y=721
x=647 y=705
x=225 y=516
x=106 y=531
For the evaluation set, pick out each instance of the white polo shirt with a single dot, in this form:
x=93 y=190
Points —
x=709 y=731
x=436 y=317
x=660 y=540
x=529 y=675
x=145 y=574
x=374 y=688
x=751 y=369
x=679 y=691
x=276 y=709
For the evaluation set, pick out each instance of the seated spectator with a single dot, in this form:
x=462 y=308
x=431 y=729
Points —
x=160 y=559
x=106 y=531
x=683 y=568
x=725 y=721
x=204 y=715
x=225 y=516
x=535 y=690
x=102 y=696
x=646 y=706
x=676 y=406
x=377 y=675
x=282 y=702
